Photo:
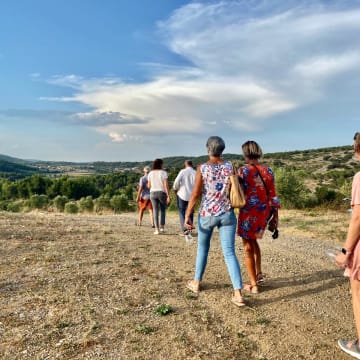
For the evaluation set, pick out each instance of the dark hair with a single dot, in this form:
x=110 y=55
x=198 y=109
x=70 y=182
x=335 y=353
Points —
x=215 y=145
x=157 y=164
x=357 y=142
x=189 y=163
x=252 y=150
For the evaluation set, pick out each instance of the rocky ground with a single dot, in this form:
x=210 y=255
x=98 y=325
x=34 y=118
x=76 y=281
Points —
x=99 y=287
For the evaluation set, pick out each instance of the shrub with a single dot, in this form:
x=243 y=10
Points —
x=60 y=201
x=102 y=202
x=14 y=207
x=87 y=204
x=71 y=207
x=119 y=203
x=290 y=188
x=38 y=201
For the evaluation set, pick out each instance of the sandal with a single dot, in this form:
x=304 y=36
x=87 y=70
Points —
x=251 y=288
x=238 y=301
x=193 y=287
x=260 y=277
x=350 y=347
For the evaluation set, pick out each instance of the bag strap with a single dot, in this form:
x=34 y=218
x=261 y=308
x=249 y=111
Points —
x=266 y=188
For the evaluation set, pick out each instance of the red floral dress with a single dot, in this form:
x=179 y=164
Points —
x=253 y=216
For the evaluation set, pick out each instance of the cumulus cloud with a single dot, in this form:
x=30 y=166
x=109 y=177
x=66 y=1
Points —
x=248 y=62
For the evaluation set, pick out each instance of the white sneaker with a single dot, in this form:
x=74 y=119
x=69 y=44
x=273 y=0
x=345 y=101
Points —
x=161 y=229
x=156 y=232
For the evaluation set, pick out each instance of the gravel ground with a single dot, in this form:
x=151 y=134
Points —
x=89 y=287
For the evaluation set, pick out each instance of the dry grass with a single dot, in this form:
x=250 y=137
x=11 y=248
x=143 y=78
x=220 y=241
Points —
x=95 y=287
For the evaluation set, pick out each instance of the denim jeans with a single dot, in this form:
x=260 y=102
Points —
x=158 y=201
x=182 y=206
x=226 y=223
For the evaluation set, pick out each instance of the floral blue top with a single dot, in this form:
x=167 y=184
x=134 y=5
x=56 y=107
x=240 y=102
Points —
x=216 y=183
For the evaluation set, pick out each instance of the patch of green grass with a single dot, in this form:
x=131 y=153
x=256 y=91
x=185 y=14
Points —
x=191 y=296
x=62 y=325
x=143 y=329
x=262 y=321
x=163 y=309
x=89 y=310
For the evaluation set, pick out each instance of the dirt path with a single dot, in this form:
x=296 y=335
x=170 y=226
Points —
x=86 y=287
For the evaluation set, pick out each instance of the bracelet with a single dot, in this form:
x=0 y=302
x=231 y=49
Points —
x=346 y=252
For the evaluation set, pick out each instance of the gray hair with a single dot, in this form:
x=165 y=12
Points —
x=215 y=145
x=147 y=169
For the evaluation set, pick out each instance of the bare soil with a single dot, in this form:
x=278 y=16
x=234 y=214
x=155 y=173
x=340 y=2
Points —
x=88 y=287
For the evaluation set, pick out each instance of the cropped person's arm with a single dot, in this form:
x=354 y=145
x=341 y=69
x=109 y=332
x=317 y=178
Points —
x=166 y=187
x=353 y=236
x=139 y=193
x=195 y=195
x=177 y=182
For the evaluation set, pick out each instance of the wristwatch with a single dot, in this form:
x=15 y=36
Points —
x=345 y=252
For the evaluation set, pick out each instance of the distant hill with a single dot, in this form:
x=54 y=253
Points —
x=12 y=159
x=16 y=170
x=313 y=161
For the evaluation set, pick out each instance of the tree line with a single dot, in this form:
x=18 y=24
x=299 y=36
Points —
x=117 y=191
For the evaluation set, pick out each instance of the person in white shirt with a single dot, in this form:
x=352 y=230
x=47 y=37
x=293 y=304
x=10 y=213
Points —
x=159 y=194
x=183 y=186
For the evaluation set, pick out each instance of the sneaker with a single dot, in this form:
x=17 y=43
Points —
x=161 y=229
x=156 y=232
x=350 y=347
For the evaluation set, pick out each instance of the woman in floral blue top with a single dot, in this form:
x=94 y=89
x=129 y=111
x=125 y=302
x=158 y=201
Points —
x=212 y=183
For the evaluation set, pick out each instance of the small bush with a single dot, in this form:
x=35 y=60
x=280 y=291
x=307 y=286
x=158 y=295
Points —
x=71 y=207
x=14 y=207
x=38 y=201
x=102 y=203
x=87 y=204
x=119 y=203
x=60 y=201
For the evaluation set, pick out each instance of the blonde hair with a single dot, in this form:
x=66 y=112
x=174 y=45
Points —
x=252 y=150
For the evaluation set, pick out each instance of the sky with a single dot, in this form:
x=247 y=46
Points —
x=135 y=80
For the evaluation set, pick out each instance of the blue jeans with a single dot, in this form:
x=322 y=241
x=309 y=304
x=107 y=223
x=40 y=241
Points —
x=182 y=206
x=158 y=201
x=226 y=223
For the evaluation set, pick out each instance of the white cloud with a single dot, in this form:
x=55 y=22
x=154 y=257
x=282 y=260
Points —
x=250 y=61
x=328 y=66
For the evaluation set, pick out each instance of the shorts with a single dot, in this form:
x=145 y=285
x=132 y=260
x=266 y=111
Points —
x=145 y=204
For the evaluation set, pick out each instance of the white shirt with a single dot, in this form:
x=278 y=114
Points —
x=184 y=183
x=156 y=178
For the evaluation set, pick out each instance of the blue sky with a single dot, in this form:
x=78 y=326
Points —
x=118 y=80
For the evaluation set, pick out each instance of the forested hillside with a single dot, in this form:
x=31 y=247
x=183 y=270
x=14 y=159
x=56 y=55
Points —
x=304 y=179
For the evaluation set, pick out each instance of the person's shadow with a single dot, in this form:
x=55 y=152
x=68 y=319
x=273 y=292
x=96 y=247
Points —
x=297 y=285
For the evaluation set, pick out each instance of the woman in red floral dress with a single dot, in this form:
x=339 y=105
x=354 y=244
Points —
x=261 y=199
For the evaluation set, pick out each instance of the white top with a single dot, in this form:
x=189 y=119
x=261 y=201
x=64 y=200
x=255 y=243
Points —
x=156 y=178
x=184 y=183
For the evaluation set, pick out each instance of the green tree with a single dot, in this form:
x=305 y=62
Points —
x=290 y=188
